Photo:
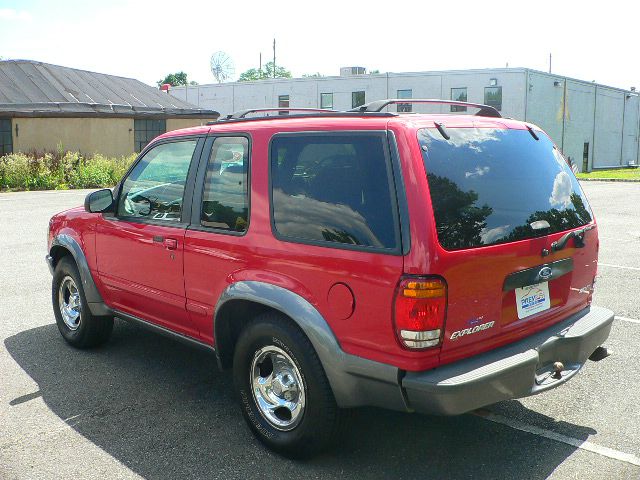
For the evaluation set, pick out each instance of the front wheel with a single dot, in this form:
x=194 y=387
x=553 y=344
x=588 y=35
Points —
x=284 y=393
x=78 y=326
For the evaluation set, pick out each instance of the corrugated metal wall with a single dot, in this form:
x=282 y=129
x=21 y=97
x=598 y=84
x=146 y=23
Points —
x=595 y=126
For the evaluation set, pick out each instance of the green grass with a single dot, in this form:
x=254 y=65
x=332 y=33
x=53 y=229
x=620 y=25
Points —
x=60 y=171
x=621 y=173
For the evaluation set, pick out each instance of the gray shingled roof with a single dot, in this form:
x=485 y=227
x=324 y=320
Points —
x=30 y=88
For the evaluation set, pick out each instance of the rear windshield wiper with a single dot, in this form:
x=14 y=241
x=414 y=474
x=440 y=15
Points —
x=533 y=134
x=442 y=131
x=577 y=234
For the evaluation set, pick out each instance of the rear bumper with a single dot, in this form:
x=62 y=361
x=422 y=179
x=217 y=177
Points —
x=517 y=370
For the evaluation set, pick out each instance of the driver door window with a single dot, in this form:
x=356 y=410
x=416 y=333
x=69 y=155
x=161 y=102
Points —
x=154 y=189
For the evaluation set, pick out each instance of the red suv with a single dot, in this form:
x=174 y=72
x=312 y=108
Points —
x=420 y=262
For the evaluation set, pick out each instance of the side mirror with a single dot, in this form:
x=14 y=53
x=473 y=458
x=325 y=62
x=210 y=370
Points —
x=99 y=202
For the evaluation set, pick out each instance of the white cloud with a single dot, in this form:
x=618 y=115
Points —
x=17 y=15
x=478 y=172
x=562 y=189
x=493 y=234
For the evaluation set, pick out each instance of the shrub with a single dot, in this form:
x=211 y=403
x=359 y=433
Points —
x=60 y=170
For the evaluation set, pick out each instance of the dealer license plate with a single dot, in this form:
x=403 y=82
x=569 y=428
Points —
x=532 y=299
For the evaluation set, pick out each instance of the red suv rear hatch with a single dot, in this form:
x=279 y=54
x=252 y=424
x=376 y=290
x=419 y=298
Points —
x=500 y=198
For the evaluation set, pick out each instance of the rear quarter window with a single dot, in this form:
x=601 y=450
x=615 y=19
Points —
x=333 y=189
x=489 y=185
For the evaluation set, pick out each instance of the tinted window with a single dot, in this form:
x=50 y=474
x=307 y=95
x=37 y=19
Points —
x=225 y=199
x=404 y=107
x=357 y=99
x=493 y=97
x=6 y=144
x=155 y=187
x=146 y=130
x=326 y=100
x=459 y=95
x=333 y=188
x=489 y=185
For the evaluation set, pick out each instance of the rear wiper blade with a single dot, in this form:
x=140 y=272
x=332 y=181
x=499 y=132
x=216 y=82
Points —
x=533 y=134
x=442 y=131
x=577 y=234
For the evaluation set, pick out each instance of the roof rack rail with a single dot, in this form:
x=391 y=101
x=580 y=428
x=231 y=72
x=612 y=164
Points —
x=378 y=105
x=306 y=113
x=244 y=113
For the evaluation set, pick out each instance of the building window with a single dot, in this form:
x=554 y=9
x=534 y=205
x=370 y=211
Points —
x=459 y=95
x=6 y=144
x=357 y=99
x=146 y=130
x=326 y=100
x=404 y=107
x=283 y=101
x=493 y=97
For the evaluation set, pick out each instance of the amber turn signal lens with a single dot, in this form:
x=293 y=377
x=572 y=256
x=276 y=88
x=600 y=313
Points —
x=424 y=289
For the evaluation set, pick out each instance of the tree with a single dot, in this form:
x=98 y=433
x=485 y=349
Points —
x=263 y=74
x=312 y=75
x=373 y=72
x=176 y=79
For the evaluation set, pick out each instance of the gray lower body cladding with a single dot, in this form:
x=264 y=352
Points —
x=517 y=370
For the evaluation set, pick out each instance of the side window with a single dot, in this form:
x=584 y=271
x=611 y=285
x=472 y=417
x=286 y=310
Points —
x=225 y=199
x=154 y=188
x=333 y=188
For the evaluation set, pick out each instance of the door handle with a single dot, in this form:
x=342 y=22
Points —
x=170 y=243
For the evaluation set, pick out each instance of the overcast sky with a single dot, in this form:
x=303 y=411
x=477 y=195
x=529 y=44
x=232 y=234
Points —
x=148 y=39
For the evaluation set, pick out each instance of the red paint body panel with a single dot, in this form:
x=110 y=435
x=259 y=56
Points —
x=140 y=276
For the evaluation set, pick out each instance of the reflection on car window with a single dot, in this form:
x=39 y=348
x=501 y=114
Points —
x=155 y=187
x=489 y=185
x=225 y=199
x=333 y=188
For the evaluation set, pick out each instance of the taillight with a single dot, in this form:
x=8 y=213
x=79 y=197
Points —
x=420 y=309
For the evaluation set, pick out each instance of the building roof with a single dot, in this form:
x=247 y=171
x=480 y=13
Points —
x=30 y=88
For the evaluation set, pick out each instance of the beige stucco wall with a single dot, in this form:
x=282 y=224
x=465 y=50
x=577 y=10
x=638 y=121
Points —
x=108 y=136
x=112 y=137
x=176 y=123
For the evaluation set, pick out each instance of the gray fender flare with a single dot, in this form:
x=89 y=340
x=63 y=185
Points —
x=91 y=293
x=355 y=381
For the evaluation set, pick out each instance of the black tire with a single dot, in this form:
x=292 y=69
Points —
x=320 y=418
x=90 y=330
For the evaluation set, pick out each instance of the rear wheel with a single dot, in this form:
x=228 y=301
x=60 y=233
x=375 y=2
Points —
x=74 y=319
x=284 y=393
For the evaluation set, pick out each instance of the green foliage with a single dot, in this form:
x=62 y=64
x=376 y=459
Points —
x=622 y=173
x=374 y=72
x=312 y=75
x=264 y=74
x=60 y=170
x=176 y=79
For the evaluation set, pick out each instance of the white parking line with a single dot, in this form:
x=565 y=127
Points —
x=618 y=266
x=558 y=437
x=625 y=319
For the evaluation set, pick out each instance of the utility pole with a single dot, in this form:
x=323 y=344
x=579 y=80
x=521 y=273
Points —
x=274 y=58
x=260 y=67
x=549 y=62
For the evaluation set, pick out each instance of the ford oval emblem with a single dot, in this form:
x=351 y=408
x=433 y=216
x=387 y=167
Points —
x=545 y=273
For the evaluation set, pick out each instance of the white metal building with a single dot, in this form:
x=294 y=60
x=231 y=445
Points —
x=596 y=126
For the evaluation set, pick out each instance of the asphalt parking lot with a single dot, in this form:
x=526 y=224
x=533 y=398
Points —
x=145 y=406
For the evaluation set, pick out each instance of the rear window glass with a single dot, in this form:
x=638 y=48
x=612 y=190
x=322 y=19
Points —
x=489 y=186
x=334 y=189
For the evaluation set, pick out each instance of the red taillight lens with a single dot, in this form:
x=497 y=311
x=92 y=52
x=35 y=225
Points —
x=420 y=309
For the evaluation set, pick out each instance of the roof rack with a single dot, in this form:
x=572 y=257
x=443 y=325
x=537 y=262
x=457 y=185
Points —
x=244 y=113
x=378 y=105
x=306 y=113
